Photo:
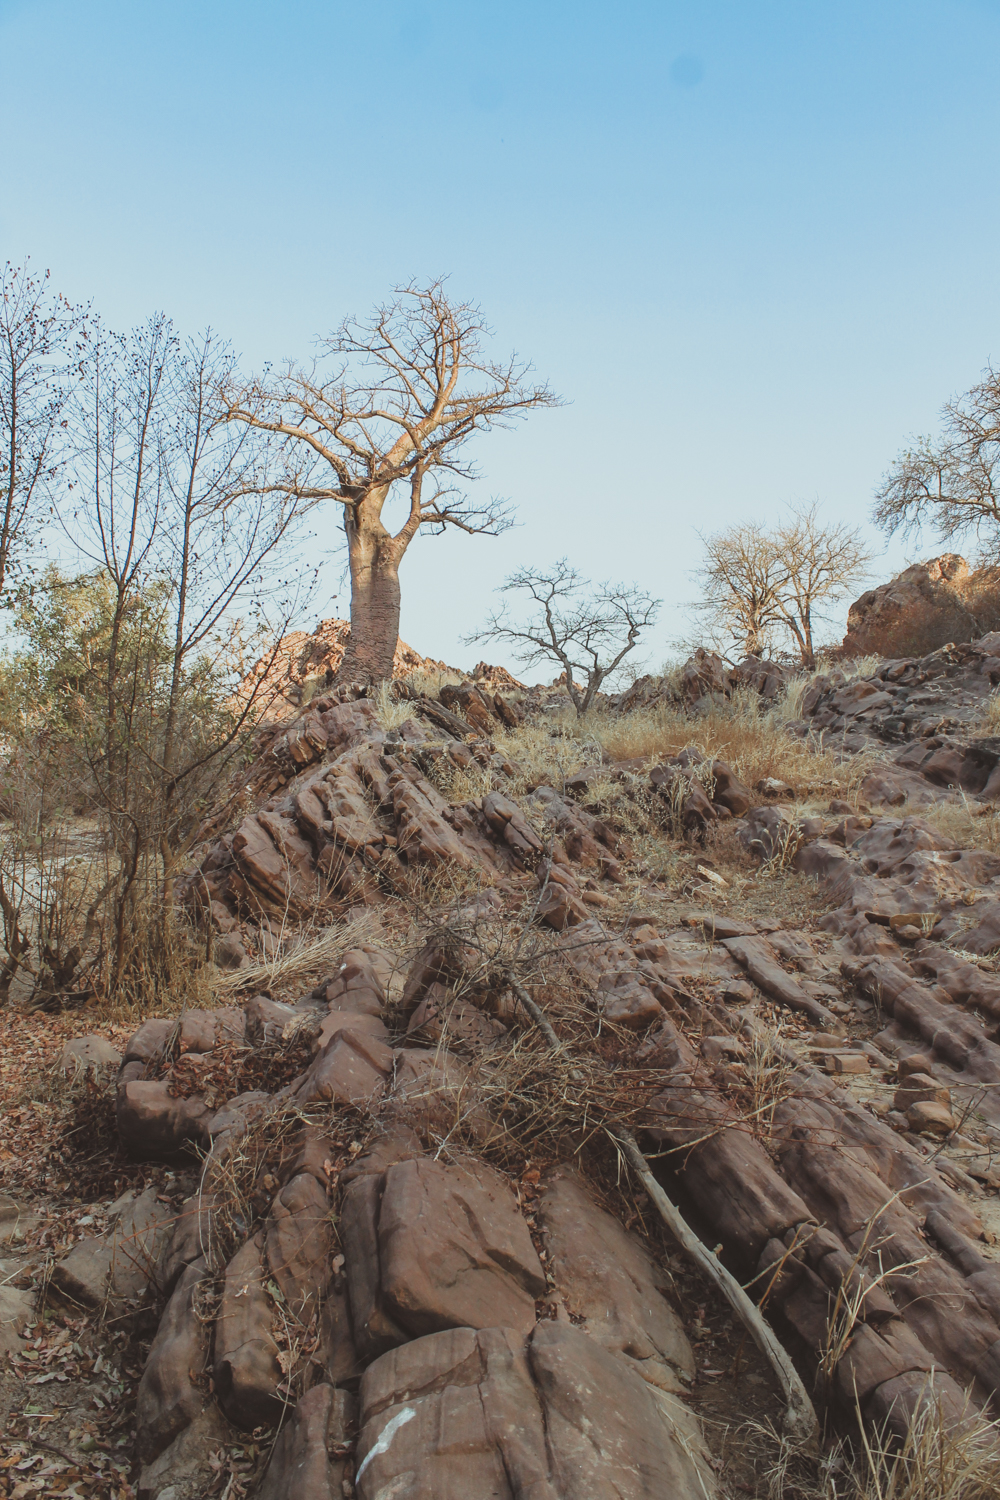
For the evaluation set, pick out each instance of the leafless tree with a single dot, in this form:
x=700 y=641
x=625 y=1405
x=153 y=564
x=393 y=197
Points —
x=408 y=388
x=823 y=564
x=41 y=337
x=759 y=583
x=587 y=631
x=179 y=513
x=954 y=483
x=741 y=579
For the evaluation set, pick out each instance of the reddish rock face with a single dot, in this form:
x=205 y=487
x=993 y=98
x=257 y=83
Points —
x=430 y=1246
x=607 y=1278
x=466 y=1413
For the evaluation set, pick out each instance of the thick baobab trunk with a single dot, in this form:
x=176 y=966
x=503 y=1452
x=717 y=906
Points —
x=374 y=561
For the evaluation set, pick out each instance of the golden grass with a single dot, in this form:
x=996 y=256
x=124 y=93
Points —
x=390 y=712
x=971 y=825
x=751 y=736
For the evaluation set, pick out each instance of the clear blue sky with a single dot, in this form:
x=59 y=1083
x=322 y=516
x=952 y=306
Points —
x=754 y=245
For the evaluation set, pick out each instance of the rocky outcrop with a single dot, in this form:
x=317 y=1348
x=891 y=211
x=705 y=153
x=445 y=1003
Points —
x=304 y=663
x=933 y=583
x=355 y=1218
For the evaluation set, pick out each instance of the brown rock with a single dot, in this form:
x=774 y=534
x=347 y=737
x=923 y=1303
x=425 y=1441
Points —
x=352 y=1069
x=431 y=1091
x=920 y=1088
x=201 y=1030
x=121 y=1264
x=917 y=1062
x=346 y=1020
x=168 y=1399
x=89 y=1053
x=871 y=1358
x=183 y=1471
x=728 y=791
x=441 y=1018
x=16 y=1312
x=466 y=1413
x=192 y=1238
x=375 y=1330
x=931 y=1118
x=610 y=1436
x=625 y=1001
x=151 y=1123
x=453 y=1414
x=761 y=963
x=150 y=1042
x=454 y=1251
x=246 y=1368
x=307 y=1462
x=607 y=1277
x=266 y=1019
x=300 y=1244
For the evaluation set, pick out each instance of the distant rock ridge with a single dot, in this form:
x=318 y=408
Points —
x=307 y=661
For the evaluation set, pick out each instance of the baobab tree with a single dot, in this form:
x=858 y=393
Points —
x=408 y=388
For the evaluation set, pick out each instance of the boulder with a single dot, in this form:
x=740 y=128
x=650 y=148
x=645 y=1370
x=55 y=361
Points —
x=920 y=1088
x=308 y=1459
x=168 y=1398
x=931 y=1118
x=152 y=1123
x=89 y=1053
x=353 y=1068
x=16 y=1312
x=246 y=1370
x=300 y=1244
x=118 y=1266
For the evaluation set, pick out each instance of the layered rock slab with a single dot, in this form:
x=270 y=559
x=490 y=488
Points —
x=466 y=1413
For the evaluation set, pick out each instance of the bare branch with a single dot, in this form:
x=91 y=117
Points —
x=952 y=485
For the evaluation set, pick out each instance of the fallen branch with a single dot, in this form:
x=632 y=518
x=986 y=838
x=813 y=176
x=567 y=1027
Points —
x=801 y=1424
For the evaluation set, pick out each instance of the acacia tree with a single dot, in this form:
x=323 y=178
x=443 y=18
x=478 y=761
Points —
x=760 y=582
x=954 y=483
x=408 y=388
x=587 y=631
x=41 y=337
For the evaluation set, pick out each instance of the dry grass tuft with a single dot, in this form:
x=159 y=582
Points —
x=304 y=961
x=390 y=711
x=940 y=1459
x=971 y=825
x=750 y=735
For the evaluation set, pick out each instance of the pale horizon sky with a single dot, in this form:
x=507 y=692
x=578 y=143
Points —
x=753 y=245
